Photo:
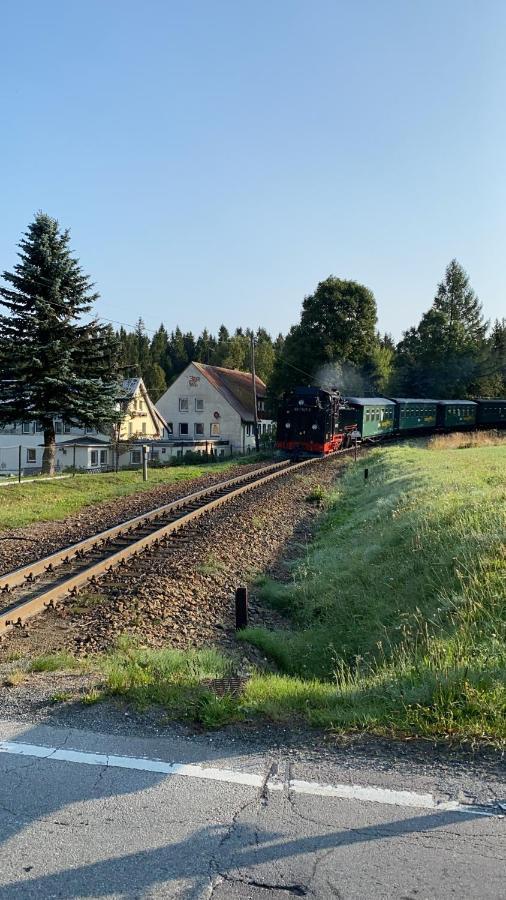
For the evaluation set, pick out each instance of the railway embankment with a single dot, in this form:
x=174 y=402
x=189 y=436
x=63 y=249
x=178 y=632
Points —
x=397 y=610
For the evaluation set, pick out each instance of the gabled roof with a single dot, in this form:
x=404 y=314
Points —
x=236 y=387
x=130 y=386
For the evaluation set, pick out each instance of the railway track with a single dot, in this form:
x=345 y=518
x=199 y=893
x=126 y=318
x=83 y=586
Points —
x=29 y=590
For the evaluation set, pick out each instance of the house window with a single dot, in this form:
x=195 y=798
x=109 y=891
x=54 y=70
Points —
x=136 y=457
x=215 y=429
x=58 y=427
x=183 y=428
x=248 y=430
x=66 y=428
x=27 y=427
x=183 y=404
x=39 y=426
x=199 y=428
x=144 y=427
x=103 y=457
x=31 y=455
x=141 y=406
x=179 y=452
x=199 y=404
x=94 y=458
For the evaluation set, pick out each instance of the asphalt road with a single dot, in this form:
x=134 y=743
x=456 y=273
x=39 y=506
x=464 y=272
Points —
x=90 y=815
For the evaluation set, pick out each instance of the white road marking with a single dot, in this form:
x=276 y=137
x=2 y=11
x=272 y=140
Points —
x=368 y=794
x=131 y=762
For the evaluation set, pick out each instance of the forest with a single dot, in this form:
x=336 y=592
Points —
x=452 y=352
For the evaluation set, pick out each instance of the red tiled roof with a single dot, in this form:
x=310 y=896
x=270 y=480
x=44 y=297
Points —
x=236 y=387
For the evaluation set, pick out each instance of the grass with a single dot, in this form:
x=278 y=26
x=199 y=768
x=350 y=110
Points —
x=399 y=606
x=14 y=678
x=211 y=565
x=48 y=501
x=54 y=662
x=176 y=679
x=463 y=440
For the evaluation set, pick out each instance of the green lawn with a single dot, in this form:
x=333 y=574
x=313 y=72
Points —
x=49 y=500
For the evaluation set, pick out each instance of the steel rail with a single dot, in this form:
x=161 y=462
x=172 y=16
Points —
x=17 y=577
x=17 y=612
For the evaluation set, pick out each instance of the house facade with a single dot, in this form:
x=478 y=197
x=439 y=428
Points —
x=213 y=405
x=21 y=443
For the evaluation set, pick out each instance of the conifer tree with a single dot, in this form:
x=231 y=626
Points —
x=461 y=309
x=52 y=363
x=445 y=355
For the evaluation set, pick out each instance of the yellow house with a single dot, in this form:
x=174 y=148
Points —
x=139 y=416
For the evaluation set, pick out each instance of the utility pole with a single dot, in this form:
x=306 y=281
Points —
x=253 y=376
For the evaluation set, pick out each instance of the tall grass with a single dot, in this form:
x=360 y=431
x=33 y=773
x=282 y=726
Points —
x=400 y=604
x=463 y=440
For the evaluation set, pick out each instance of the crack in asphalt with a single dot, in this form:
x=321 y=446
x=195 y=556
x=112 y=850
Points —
x=298 y=890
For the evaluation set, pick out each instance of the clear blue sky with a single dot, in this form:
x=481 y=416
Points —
x=215 y=160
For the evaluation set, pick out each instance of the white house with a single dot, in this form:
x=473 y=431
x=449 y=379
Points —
x=85 y=448
x=211 y=404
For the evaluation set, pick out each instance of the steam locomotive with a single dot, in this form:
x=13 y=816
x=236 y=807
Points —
x=313 y=421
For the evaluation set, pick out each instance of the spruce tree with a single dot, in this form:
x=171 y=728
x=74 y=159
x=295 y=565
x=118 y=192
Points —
x=445 y=354
x=52 y=363
x=461 y=309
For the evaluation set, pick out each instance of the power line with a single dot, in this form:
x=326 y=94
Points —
x=103 y=318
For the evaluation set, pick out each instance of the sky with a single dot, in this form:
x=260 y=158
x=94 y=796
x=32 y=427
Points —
x=215 y=160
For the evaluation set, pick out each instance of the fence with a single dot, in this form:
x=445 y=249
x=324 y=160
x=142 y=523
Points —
x=22 y=460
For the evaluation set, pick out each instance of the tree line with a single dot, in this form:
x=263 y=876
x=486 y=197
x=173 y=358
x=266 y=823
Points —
x=161 y=358
x=452 y=352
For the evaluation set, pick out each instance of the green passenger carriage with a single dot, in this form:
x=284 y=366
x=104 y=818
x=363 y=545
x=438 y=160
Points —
x=414 y=415
x=456 y=414
x=375 y=415
x=491 y=413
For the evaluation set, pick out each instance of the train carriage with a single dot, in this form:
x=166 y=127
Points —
x=456 y=414
x=491 y=413
x=414 y=415
x=375 y=415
